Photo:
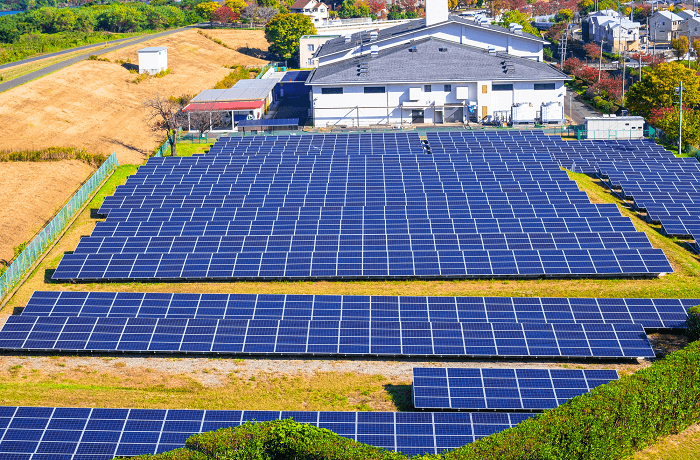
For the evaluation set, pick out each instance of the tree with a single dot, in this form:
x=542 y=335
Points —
x=165 y=115
x=284 y=31
x=592 y=50
x=376 y=6
x=607 y=88
x=205 y=9
x=564 y=15
x=266 y=13
x=666 y=119
x=206 y=121
x=657 y=88
x=453 y=4
x=222 y=14
x=353 y=9
x=680 y=46
x=515 y=16
x=236 y=5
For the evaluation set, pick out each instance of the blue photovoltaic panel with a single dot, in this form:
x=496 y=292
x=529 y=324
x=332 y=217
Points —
x=405 y=338
x=44 y=433
x=359 y=264
x=649 y=313
x=502 y=389
x=270 y=122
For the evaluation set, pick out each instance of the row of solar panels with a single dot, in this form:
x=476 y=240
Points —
x=299 y=337
x=47 y=433
x=648 y=313
x=502 y=389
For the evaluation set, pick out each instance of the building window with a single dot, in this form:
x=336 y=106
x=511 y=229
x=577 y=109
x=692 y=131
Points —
x=310 y=47
x=374 y=89
x=427 y=88
x=331 y=90
x=448 y=88
x=503 y=87
x=310 y=61
x=544 y=86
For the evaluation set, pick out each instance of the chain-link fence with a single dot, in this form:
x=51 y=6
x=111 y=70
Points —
x=24 y=261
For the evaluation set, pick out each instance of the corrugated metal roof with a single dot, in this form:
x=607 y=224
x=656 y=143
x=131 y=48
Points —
x=220 y=106
x=242 y=90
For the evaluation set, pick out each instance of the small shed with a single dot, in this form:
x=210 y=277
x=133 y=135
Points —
x=153 y=59
x=612 y=127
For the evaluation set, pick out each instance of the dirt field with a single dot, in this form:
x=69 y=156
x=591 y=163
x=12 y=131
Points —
x=95 y=105
x=31 y=194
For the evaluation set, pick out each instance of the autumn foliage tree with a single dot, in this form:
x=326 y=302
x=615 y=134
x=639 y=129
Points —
x=592 y=50
x=222 y=14
x=680 y=46
x=666 y=119
x=375 y=6
x=657 y=88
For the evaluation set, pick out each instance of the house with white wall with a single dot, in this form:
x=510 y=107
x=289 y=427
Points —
x=687 y=14
x=592 y=24
x=439 y=24
x=431 y=80
x=620 y=34
x=317 y=11
x=663 y=26
x=690 y=27
x=308 y=45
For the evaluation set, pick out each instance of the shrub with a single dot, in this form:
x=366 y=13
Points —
x=692 y=324
x=53 y=154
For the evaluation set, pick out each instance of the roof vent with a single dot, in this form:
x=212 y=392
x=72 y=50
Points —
x=374 y=52
x=492 y=50
x=413 y=49
x=373 y=35
x=442 y=50
x=515 y=28
x=348 y=37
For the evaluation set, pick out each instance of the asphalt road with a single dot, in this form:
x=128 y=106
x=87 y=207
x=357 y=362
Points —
x=60 y=65
x=578 y=110
x=59 y=53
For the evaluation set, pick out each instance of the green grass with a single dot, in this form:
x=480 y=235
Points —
x=683 y=446
x=30 y=45
x=187 y=149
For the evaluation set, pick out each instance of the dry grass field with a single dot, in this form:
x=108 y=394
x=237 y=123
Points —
x=95 y=105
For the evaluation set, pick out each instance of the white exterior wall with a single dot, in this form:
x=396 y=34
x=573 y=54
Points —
x=153 y=62
x=458 y=33
x=614 y=127
x=662 y=28
x=355 y=108
x=306 y=54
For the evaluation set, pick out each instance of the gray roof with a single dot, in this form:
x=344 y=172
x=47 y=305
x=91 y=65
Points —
x=243 y=90
x=337 y=45
x=460 y=63
x=152 y=49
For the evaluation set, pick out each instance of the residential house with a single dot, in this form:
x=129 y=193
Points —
x=317 y=11
x=663 y=26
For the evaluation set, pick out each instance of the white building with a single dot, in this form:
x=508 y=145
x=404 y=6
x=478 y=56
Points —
x=663 y=26
x=317 y=11
x=690 y=27
x=620 y=34
x=431 y=80
x=308 y=45
x=687 y=14
x=439 y=24
x=612 y=127
x=593 y=22
x=153 y=60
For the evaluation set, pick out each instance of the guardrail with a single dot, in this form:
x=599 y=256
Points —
x=35 y=249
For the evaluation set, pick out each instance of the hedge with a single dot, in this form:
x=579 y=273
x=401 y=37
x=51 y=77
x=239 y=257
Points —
x=610 y=422
x=692 y=323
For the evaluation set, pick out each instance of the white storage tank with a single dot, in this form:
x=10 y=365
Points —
x=552 y=112
x=153 y=59
x=612 y=127
x=522 y=112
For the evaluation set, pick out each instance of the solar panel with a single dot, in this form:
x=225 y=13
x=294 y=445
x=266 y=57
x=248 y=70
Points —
x=327 y=337
x=45 y=433
x=502 y=389
x=649 y=313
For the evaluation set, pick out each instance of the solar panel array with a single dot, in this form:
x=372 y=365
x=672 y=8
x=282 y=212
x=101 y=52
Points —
x=648 y=313
x=360 y=206
x=46 y=433
x=665 y=187
x=502 y=389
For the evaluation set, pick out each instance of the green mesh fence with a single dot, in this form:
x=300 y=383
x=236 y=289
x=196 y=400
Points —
x=24 y=261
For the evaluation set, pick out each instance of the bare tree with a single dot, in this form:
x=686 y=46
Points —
x=249 y=12
x=266 y=13
x=205 y=121
x=166 y=115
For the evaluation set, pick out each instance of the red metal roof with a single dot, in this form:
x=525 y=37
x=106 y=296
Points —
x=221 y=106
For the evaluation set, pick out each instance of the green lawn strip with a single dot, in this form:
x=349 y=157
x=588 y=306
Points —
x=682 y=446
x=187 y=149
x=322 y=391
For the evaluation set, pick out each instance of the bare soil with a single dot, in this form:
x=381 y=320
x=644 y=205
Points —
x=96 y=105
x=31 y=194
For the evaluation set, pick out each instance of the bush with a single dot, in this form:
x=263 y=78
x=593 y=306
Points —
x=610 y=422
x=53 y=154
x=692 y=324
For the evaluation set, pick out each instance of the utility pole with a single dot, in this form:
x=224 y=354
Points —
x=679 y=91
x=600 y=62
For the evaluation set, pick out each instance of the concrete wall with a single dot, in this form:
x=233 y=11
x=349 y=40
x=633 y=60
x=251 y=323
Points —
x=356 y=108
